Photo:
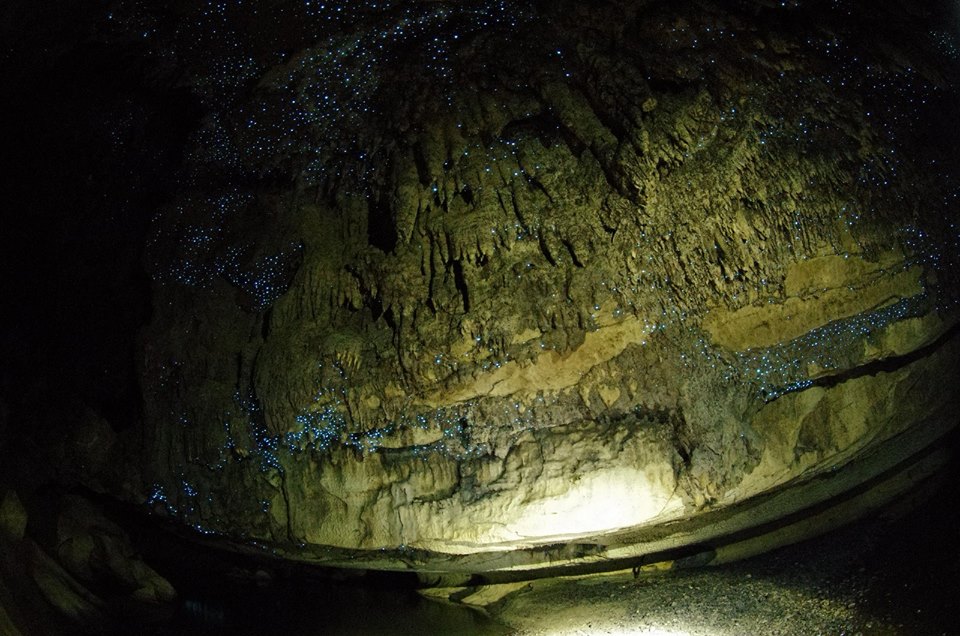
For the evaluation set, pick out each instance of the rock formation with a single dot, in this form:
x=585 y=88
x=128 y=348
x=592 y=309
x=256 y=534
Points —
x=447 y=278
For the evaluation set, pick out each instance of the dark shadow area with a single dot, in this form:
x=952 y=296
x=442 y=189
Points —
x=94 y=135
x=916 y=561
x=896 y=572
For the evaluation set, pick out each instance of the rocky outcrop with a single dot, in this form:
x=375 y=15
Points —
x=13 y=517
x=595 y=270
x=71 y=569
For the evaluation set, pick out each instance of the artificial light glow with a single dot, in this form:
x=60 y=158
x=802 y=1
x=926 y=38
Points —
x=601 y=501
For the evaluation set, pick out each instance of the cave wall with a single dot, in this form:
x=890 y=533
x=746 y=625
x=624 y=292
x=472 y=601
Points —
x=573 y=269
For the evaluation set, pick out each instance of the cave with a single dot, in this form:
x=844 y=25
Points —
x=480 y=317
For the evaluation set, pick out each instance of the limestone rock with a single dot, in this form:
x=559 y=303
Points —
x=13 y=516
x=668 y=265
x=6 y=623
x=64 y=592
x=92 y=446
x=98 y=552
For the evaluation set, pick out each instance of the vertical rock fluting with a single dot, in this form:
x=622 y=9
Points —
x=487 y=274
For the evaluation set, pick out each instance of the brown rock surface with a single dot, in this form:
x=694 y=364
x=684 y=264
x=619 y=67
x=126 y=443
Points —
x=668 y=267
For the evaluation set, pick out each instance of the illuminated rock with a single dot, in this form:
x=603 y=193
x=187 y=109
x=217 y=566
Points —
x=633 y=268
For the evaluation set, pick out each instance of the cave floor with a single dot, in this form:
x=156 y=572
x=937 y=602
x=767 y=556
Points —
x=896 y=574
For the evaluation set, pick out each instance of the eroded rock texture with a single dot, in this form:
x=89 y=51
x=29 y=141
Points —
x=453 y=276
